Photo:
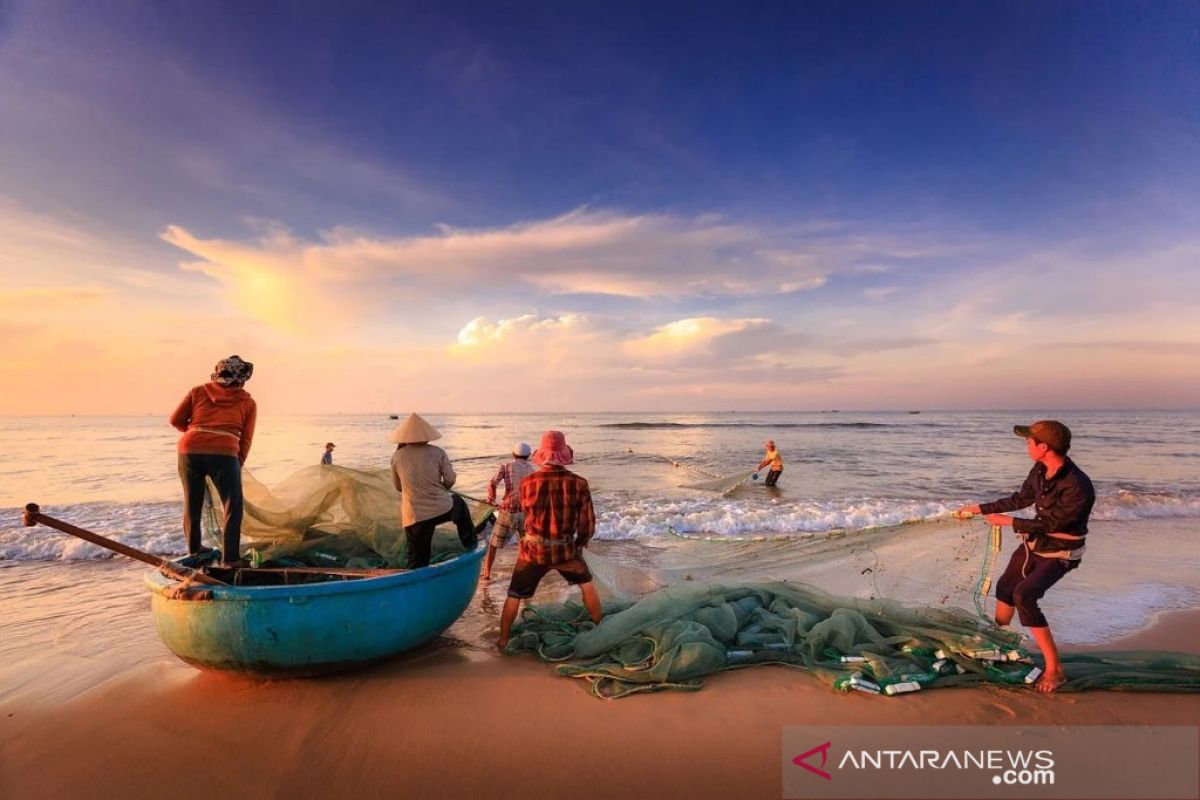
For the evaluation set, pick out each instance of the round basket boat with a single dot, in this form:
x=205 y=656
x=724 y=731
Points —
x=311 y=628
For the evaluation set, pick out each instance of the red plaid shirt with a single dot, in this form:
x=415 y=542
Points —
x=559 y=517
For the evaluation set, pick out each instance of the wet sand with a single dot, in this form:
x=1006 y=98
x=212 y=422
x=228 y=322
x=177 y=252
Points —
x=455 y=719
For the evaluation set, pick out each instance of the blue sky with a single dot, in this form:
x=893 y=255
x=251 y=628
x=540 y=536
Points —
x=841 y=201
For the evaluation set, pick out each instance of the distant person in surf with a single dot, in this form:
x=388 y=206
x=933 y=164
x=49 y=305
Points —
x=559 y=523
x=327 y=456
x=421 y=472
x=509 y=517
x=774 y=460
x=218 y=420
x=1052 y=542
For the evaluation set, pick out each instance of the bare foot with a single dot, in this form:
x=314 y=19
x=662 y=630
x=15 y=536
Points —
x=485 y=576
x=501 y=645
x=1050 y=682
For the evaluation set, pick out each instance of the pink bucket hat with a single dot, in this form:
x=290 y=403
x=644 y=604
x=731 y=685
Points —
x=554 y=450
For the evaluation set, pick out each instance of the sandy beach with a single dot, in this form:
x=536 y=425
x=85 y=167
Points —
x=454 y=720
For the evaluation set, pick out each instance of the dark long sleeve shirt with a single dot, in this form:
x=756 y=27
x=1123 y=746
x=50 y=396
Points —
x=1064 y=502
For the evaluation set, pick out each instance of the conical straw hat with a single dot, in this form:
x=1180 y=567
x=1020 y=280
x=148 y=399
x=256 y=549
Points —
x=414 y=430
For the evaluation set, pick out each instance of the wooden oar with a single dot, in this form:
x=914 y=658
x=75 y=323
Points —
x=33 y=515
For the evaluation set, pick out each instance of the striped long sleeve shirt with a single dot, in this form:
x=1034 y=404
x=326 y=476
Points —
x=511 y=474
x=424 y=476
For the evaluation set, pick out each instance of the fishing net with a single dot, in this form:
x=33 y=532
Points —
x=673 y=637
x=940 y=563
x=329 y=516
x=722 y=484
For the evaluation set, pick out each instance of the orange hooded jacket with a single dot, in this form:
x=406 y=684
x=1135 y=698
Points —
x=216 y=421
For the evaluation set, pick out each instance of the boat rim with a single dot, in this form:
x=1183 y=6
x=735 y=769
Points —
x=160 y=583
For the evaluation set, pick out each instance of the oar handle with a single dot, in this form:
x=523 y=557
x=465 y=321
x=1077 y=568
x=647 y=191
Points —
x=33 y=515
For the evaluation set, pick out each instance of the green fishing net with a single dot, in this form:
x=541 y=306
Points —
x=327 y=515
x=673 y=637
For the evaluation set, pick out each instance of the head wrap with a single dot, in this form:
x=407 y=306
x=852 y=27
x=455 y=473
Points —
x=229 y=371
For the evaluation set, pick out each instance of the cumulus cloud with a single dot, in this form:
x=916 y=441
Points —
x=479 y=335
x=594 y=363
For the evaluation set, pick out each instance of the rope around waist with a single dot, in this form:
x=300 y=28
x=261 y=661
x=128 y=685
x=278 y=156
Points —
x=546 y=541
x=217 y=431
x=1072 y=551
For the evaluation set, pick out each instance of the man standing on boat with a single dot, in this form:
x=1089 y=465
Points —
x=559 y=523
x=509 y=517
x=1052 y=542
x=421 y=472
x=774 y=460
x=218 y=420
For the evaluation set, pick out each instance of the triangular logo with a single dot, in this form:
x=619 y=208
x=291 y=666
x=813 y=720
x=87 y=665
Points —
x=824 y=751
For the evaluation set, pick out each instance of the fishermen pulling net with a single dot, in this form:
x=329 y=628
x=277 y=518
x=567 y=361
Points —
x=329 y=516
x=816 y=601
x=674 y=637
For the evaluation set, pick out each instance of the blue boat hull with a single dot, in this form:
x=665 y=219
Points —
x=317 y=628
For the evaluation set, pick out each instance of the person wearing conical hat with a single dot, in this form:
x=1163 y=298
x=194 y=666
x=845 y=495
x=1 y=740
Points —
x=509 y=517
x=217 y=420
x=423 y=475
x=559 y=523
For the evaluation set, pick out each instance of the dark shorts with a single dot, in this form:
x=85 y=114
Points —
x=1026 y=581
x=773 y=477
x=527 y=576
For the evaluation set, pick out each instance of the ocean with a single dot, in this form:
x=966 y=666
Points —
x=861 y=508
x=842 y=470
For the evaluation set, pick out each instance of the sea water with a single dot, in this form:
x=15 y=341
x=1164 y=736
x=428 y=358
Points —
x=842 y=470
x=852 y=472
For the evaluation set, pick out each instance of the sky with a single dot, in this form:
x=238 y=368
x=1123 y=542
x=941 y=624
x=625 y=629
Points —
x=547 y=206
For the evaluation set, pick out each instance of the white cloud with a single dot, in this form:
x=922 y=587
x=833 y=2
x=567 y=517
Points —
x=284 y=279
x=479 y=333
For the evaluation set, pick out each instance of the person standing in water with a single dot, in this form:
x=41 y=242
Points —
x=217 y=420
x=327 y=456
x=1052 y=542
x=774 y=460
x=509 y=517
x=421 y=472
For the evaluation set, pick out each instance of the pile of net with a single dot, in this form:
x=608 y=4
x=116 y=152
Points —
x=673 y=637
x=330 y=516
